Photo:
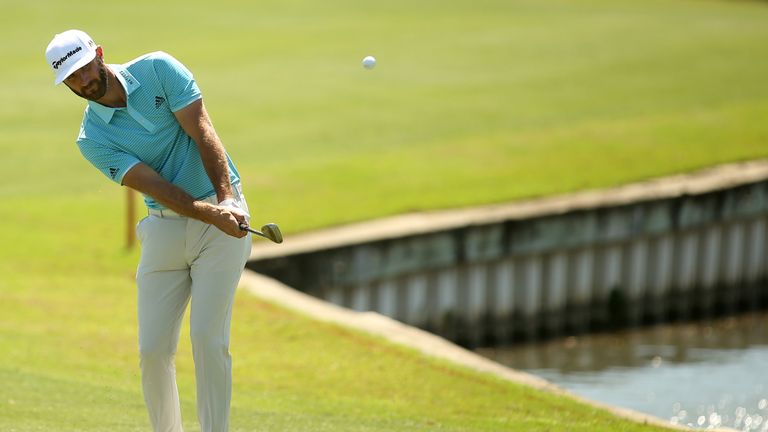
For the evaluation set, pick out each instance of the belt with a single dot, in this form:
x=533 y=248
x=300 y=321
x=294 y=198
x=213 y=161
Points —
x=164 y=213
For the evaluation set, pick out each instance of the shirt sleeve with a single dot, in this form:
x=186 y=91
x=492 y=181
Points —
x=177 y=81
x=112 y=162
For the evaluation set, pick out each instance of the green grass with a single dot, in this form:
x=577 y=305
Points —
x=471 y=102
x=72 y=366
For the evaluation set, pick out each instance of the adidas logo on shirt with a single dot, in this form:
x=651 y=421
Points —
x=159 y=101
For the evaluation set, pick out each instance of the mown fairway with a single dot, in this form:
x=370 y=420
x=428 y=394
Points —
x=471 y=102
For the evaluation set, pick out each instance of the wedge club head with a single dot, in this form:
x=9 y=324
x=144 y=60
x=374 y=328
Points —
x=269 y=231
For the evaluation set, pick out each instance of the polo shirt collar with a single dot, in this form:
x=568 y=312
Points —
x=129 y=83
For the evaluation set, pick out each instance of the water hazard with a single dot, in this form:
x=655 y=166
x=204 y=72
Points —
x=702 y=375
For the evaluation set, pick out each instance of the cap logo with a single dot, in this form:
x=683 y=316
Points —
x=58 y=62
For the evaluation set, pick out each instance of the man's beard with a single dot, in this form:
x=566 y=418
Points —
x=97 y=88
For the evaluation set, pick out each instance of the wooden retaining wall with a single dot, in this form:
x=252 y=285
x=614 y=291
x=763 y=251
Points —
x=606 y=263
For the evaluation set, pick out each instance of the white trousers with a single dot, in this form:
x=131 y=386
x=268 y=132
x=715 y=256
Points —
x=183 y=259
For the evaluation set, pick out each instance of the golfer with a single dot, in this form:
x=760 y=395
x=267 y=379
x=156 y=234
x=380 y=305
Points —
x=145 y=127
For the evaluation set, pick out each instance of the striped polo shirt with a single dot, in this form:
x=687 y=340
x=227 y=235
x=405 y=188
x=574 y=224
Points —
x=116 y=139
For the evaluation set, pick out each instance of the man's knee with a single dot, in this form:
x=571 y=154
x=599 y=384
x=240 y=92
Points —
x=206 y=342
x=154 y=350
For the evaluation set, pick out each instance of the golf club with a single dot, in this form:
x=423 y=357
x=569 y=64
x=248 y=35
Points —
x=269 y=231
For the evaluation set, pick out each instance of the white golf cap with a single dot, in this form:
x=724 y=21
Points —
x=68 y=52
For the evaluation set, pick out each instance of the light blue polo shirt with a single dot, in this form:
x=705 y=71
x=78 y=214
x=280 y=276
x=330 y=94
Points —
x=116 y=139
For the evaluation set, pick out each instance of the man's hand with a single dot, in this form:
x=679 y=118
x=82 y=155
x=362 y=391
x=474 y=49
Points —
x=233 y=207
x=231 y=203
x=228 y=220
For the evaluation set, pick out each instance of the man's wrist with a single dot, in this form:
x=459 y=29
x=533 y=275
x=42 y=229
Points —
x=224 y=193
x=207 y=212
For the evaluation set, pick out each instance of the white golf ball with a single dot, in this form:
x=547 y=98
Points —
x=369 y=62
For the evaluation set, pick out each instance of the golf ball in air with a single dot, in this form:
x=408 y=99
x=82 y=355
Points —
x=369 y=62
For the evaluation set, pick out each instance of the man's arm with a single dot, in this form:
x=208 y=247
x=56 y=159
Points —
x=195 y=121
x=147 y=181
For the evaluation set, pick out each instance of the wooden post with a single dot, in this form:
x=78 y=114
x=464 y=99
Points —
x=130 y=218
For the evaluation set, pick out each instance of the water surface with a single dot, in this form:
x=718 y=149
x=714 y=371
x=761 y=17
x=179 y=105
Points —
x=702 y=374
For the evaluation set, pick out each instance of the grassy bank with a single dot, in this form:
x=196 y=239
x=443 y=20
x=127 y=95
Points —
x=69 y=363
x=471 y=102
